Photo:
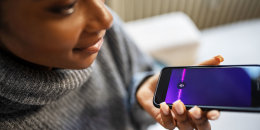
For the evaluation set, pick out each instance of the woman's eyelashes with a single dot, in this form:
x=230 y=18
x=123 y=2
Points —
x=63 y=9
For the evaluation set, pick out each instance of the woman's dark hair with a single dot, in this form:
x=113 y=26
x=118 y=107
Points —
x=1 y=15
x=2 y=23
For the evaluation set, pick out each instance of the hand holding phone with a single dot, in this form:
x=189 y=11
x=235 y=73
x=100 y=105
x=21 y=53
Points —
x=177 y=116
x=230 y=87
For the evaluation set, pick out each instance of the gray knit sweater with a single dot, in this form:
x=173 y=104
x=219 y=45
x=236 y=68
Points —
x=99 y=97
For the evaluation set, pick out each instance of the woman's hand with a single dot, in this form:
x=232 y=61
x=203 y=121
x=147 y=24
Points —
x=178 y=116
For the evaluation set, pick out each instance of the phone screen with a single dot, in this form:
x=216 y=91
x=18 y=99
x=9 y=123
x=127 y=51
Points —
x=213 y=86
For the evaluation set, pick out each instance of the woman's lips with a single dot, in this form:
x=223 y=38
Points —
x=91 y=49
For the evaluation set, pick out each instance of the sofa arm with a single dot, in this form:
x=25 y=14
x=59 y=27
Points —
x=171 y=38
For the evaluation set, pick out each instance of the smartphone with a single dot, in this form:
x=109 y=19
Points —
x=225 y=87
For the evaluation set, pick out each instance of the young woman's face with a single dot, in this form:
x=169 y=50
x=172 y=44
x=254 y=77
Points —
x=54 y=33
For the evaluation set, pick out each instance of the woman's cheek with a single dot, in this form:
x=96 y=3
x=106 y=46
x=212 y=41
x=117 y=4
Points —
x=63 y=36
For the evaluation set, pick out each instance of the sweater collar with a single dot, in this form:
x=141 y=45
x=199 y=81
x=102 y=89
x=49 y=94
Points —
x=27 y=85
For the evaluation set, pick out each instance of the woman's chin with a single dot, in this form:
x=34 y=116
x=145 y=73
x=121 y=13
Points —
x=76 y=66
x=81 y=64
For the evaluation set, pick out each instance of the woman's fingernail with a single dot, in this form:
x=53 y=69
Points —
x=213 y=115
x=195 y=111
x=165 y=108
x=178 y=107
x=219 y=58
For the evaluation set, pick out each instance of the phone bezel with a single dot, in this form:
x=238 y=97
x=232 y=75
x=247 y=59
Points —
x=165 y=81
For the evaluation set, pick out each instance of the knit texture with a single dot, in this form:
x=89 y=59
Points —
x=94 y=98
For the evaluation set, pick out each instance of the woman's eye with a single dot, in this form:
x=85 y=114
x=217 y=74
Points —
x=63 y=10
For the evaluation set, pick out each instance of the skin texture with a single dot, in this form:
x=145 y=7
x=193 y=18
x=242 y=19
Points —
x=53 y=33
x=178 y=116
x=38 y=34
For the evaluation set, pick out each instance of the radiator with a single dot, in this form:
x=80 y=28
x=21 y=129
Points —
x=204 y=13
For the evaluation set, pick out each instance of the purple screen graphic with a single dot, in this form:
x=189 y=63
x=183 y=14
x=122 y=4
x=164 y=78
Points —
x=210 y=87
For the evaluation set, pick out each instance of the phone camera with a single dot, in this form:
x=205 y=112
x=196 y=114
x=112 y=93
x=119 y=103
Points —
x=181 y=85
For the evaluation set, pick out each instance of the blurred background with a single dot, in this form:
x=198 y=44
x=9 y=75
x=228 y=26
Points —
x=186 y=32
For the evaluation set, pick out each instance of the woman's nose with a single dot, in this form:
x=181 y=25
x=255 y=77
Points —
x=98 y=16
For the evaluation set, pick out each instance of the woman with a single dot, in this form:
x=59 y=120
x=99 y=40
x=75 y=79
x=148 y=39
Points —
x=55 y=75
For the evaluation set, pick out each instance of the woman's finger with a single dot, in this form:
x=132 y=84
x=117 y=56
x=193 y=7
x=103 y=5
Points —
x=167 y=119
x=199 y=118
x=213 y=115
x=181 y=116
x=213 y=61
